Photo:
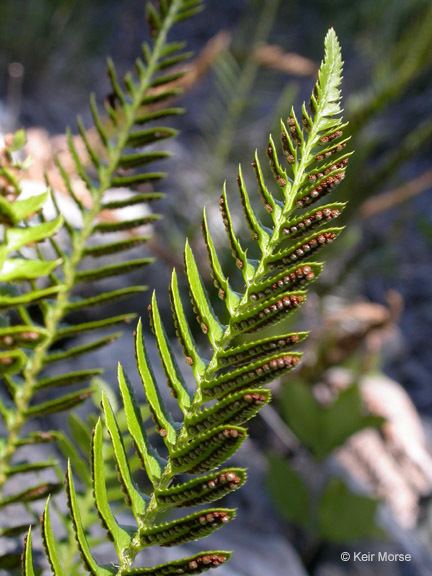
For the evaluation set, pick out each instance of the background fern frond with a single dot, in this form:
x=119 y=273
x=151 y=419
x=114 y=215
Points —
x=228 y=386
x=111 y=172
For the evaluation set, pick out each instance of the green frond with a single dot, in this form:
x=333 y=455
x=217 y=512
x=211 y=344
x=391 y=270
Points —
x=228 y=387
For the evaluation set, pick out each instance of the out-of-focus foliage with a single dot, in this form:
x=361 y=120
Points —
x=323 y=428
x=43 y=25
x=335 y=514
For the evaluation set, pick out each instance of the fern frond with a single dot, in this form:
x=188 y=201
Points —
x=228 y=386
x=19 y=263
x=115 y=158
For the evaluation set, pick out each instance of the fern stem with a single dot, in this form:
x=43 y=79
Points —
x=58 y=311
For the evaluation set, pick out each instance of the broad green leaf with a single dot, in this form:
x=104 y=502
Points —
x=18 y=269
x=289 y=492
x=302 y=412
x=19 y=140
x=345 y=516
x=346 y=416
x=22 y=209
x=324 y=428
x=16 y=238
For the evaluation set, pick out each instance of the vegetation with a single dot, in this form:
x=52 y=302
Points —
x=243 y=357
x=117 y=466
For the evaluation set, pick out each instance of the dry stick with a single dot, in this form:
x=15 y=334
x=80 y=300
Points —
x=393 y=198
x=274 y=57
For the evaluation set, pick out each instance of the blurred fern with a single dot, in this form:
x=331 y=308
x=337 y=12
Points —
x=236 y=82
x=135 y=114
x=243 y=357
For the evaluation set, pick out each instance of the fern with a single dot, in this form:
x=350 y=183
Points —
x=235 y=83
x=229 y=386
x=18 y=263
x=119 y=160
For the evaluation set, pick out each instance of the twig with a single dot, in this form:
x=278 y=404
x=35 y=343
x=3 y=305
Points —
x=397 y=196
x=273 y=56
